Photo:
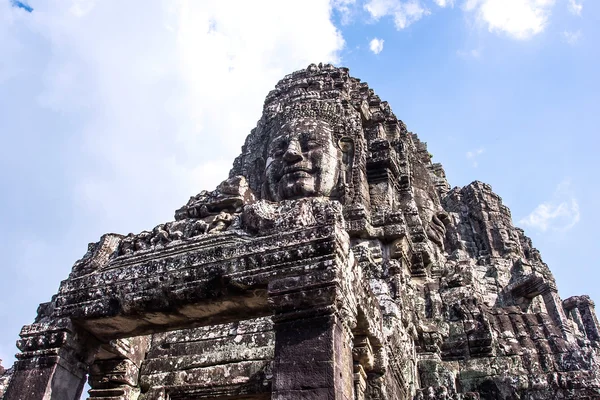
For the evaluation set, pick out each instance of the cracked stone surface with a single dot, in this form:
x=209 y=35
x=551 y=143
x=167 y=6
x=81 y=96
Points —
x=335 y=262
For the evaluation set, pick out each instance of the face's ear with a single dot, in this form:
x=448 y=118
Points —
x=264 y=191
x=339 y=189
x=346 y=144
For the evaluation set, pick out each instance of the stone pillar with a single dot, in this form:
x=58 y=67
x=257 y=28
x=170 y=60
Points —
x=313 y=345
x=363 y=362
x=114 y=379
x=115 y=372
x=555 y=309
x=586 y=309
x=313 y=360
x=360 y=382
x=51 y=365
x=588 y=315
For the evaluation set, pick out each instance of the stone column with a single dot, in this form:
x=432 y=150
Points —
x=586 y=308
x=360 y=382
x=51 y=365
x=363 y=362
x=115 y=372
x=313 y=360
x=588 y=315
x=555 y=309
x=313 y=345
x=113 y=379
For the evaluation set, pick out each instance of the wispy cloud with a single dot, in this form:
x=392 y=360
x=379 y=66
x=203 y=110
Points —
x=572 y=38
x=444 y=3
x=376 y=45
x=403 y=12
x=141 y=110
x=519 y=19
x=346 y=8
x=575 y=7
x=560 y=213
x=473 y=53
x=151 y=119
x=474 y=155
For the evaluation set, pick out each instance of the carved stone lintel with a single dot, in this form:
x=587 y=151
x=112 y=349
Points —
x=98 y=255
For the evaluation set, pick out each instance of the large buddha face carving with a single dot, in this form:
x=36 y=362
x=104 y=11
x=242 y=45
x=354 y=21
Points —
x=303 y=160
x=509 y=240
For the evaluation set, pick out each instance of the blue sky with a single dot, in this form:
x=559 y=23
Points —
x=114 y=113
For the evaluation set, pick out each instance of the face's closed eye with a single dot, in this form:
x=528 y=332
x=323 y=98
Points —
x=313 y=144
x=278 y=146
x=310 y=141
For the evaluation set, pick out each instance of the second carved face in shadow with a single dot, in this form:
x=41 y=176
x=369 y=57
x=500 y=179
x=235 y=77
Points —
x=302 y=160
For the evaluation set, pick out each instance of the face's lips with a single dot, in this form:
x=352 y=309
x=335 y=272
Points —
x=297 y=168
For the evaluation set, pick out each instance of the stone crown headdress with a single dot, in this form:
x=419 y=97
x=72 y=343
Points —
x=331 y=112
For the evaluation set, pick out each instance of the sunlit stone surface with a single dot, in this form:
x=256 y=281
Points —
x=335 y=262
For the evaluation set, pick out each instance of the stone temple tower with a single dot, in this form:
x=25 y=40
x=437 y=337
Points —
x=335 y=262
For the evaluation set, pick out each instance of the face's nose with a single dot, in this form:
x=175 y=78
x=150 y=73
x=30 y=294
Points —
x=293 y=152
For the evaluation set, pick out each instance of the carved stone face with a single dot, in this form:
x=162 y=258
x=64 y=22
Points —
x=509 y=241
x=303 y=160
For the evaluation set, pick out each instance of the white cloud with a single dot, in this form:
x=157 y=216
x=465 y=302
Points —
x=546 y=214
x=474 y=155
x=519 y=19
x=346 y=8
x=403 y=12
x=575 y=8
x=80 y=8
x=444 y=3
x=473 y=53
x=571 y=37
x=560 y=214
x=376 y=45
x=135 y=109
x=171 y=91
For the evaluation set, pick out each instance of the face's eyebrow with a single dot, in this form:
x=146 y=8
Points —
x=277 y=139
x=277 y=143
x=319 y=135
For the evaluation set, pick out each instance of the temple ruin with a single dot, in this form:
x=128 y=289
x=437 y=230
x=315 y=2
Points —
x=335 y=262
